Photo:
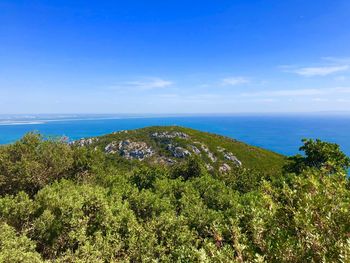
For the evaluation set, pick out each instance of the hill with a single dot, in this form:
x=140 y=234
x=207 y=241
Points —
x=168 y=145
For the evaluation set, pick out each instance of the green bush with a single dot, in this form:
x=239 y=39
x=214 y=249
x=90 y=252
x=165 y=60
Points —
x=31 y=163
x=62 y=203
x=16 y=248
x=319 y=155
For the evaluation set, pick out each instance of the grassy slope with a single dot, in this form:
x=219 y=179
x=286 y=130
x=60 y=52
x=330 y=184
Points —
x=251 y=157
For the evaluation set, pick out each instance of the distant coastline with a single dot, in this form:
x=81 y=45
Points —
x=9 y=123
x=23 y=119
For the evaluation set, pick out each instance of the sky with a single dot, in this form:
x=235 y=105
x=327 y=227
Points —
x=227 y=56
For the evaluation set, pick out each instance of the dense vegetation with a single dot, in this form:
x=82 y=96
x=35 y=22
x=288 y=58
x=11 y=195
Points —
x=65 y=203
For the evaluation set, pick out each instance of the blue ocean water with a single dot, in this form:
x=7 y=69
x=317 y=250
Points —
x=281 y=134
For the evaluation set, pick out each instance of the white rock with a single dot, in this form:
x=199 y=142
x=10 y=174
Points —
x=211 y=156
x=84 y=142
x=177 y=151
x=224 y=168
x=170 y=135
x=231 y=157
x=195 y=149
x=130 y=150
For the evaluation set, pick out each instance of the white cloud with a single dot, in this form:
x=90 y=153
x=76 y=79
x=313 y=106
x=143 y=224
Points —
x=320 y=71
x=168 y=96
x=233 y=81
x=330 y=66
x=144 y=84
x=298 y=92
x=283 y=93
x=150 y=83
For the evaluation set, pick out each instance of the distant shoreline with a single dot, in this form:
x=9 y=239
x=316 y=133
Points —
x=27 y=119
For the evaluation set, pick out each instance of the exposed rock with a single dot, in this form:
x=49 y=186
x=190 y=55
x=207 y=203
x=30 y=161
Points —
x=170 y=135
x=121 y=131
x=195 y=149
x=231 y=157
x=112 y=147
x=224 y=168
x=84 y=142
x=177 y=151
x=211 y=156
x=130 y=150
x=220 y=149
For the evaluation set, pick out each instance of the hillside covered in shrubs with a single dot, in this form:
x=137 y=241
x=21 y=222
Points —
x=171 y=194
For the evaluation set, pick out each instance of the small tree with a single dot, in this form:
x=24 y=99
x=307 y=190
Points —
x=189 y=169
x=319 y=155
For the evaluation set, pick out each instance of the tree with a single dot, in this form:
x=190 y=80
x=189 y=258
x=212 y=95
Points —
x=190 y=169
x=319 y=155
x=31 y=163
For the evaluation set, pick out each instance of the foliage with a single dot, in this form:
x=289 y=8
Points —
x=33 y=162
x=62 y=203
x=188 y=169
x=16 y=248
x=319 y=155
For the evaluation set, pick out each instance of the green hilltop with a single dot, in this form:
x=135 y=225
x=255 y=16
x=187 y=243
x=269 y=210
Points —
x=168 y=145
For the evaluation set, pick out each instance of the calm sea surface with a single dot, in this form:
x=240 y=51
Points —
x=277 y=133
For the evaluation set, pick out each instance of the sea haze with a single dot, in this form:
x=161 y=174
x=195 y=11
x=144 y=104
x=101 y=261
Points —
x=280 y=133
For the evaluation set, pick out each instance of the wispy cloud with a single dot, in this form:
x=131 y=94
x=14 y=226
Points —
x=233 y=81
x=320 y=71
x=150 y=83
x=329 y=66
x=298 y=92
x=144 y=84
x=282 y=93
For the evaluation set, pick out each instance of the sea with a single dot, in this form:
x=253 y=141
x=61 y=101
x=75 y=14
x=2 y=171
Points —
x=281 y=133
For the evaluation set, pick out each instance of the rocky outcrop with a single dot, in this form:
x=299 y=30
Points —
x=229 y=156
x=224 y=168
x=211 y=156
x=195 y=149
x=130 y=150
x=84 y=142
x=137 y=149
x=177 y=151
x=170 y=135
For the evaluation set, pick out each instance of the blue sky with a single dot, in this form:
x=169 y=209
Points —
x=174 y=56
